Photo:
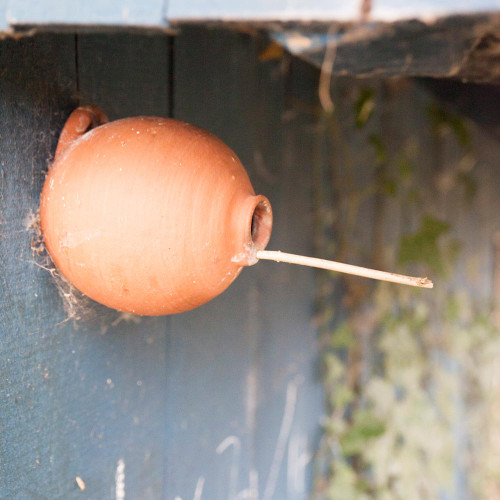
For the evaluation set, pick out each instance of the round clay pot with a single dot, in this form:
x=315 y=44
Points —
x=149 y=215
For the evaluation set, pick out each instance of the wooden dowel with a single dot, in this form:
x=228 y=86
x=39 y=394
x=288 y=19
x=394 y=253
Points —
x=344 y=268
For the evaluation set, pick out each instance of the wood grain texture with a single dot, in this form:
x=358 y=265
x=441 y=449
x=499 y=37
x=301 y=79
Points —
x=213 y=402
x=222 y=400
x=156 y=14
x=124 y=75
x=210 y=349
x=289 y=392
x=459 y=47
x=234 y=360
x=285 y=10
x=403 y=124
x=73 y=402
x=90 y=13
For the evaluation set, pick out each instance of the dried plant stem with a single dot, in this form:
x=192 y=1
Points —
x=325 y=77
x=344 y=268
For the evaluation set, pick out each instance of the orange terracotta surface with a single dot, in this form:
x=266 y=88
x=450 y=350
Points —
x=149 y=215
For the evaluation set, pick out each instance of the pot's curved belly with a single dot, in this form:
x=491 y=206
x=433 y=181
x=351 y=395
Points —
x=139 y=214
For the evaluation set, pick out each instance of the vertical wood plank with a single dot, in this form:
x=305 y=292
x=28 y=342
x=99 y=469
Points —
x=232 y=361
x=403 y=125
x=127 y=75
x=209 y=351
x=36 y=85
x=79 y=399
x=289 y=392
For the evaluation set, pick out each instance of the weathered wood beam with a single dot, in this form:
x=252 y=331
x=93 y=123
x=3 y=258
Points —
x=465 y=48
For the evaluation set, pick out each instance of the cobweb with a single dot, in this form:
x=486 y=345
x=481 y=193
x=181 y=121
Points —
x=75 y=304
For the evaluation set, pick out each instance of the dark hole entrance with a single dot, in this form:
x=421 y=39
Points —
x=255 y=222
x=260 y=225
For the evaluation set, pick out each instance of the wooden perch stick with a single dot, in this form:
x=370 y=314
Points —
x=344 y=268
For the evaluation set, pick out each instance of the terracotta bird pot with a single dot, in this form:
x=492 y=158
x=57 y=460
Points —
x=149 y=215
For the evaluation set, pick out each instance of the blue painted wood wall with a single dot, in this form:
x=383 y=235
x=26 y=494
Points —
x=219 y=403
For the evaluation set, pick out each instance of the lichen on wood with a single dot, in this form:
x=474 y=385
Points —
x=410 y=378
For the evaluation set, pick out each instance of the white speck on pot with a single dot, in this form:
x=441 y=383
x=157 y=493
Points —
x=80 y=482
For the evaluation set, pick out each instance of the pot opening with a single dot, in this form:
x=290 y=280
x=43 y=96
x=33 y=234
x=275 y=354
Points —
x=261 y=224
